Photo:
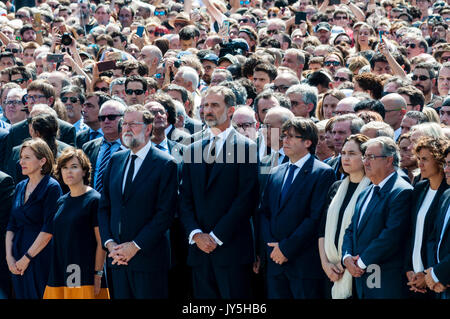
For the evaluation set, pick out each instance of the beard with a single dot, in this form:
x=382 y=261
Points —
x=131 y=141
x=217 y=121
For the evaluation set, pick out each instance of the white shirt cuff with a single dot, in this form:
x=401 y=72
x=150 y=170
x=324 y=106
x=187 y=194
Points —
x=361 y=264
x=106 y=242
x=191 y=235
x=345 y=256
x=433 y=275
x=217 y=240
x=136 y=245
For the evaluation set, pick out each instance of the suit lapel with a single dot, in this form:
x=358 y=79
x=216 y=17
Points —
x=223 y=158
x=374 y=202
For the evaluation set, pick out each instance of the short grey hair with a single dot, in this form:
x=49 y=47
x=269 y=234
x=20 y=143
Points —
x=309 y=93
x=179 y=108
x=285 y=113
x=431 y=129
x=388 y=148
x=381 y=128
x=355 y=122
x=117 y=81
x=120 y=107
x=189 y=74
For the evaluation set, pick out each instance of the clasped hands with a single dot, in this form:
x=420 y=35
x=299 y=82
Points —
x=123 y=253
x=18 y=267
x=276 y=255
x=437 y=287
x=352 y=266
x=205 y=242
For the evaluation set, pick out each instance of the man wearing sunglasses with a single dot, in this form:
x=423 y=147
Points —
x=423 y=78
x=414 y=45
x=135 y=90
x=101 y=149
x=73 y=99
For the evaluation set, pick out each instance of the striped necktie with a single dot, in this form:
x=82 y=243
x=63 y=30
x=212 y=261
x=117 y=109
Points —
x=105 y=160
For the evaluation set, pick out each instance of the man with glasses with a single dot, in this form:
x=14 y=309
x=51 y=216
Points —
x=395 y=109
x=137 y=206
x=21 y=76
x=423 y=78
x=290 y=211
x=303 y=99
x=414 y=45
x=379 y=225
x=284 y=81
x=244 y=121
x=135 y=90
x=73 y=99
x=13 y=107
x=90 y=111
x=342 y=75
x=101 y=149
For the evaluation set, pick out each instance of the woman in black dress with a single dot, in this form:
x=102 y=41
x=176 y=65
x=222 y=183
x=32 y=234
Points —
x=339 y=215
x=76 y=270
x=29 y=228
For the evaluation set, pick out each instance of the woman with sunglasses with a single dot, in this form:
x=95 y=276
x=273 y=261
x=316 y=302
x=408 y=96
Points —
x=333 y=61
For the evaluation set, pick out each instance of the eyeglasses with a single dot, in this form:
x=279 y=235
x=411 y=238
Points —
x=151 y=31
x=420 y=77
x=110 y=117
x=371 y=157
x=160 y=13
x=272 y=31
x=412 y=45
x=244 y=2
x=272 y=15
x=14 y=102
x=280 y=88
x=156 y=112
x=18 y=81
x=131 y=124
x=288 y=136
x=137 y=92
x=73 y=99
x=244 y=126
x=335 y=63
x=159 y=34
x=158 y=76
x=393 y=110
x=102 y=89
x=339 y=79
x=244 y=21
x=33 y=98
x=340 y=17
x=20 y=16
x=343 y=42
x=12 y=50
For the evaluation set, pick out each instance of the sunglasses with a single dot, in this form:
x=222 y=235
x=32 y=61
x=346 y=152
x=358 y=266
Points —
x=110 y=117
x=158 y=76
x=159 y=34
x=12 y=50
x=244 y=2
x=101 y=89
x=343 y=42
x=73 y=99
x=19 y=16
x=335 y=63
x=18 y=81
x=421 y=78
x=137 y=92
x=160 y=13
x=272 y=15
x=339 y=79
x=412 y=45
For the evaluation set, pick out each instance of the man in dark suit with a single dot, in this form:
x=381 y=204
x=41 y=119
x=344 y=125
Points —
x=290 y=210
x=374 y=243
x=6 y=198
x=136 y=209
x=100 y=150
x=90 y=110
x=437 y=277
x=219 y=193
x=3 y=139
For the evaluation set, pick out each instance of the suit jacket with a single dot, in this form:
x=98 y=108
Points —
x=144 y=216
x=380 y=238
x=6 y=198
x=91 y=149
x=192 y=125
x=419 y=193
x=179 y=136
x=441 y=268
x=294 y=222
x=82 y=138
x=336 y=165
x=224 y=202
x=3 y=140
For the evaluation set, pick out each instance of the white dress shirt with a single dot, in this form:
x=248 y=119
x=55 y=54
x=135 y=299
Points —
x=299 y=165
x=420 y=222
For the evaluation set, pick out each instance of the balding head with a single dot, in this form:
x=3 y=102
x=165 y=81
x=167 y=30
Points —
x=346 y=105
x=395 y=108
x=151 y=55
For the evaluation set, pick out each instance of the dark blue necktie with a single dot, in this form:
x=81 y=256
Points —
x=101 y=169
x=130 y=174
x=160 y=147
x=287 y=183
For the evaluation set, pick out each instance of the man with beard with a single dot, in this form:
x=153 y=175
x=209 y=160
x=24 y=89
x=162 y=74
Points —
x=219 y=193
x=209 y=63
x=136 y=209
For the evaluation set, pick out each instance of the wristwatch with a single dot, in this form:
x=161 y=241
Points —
x=99 y=273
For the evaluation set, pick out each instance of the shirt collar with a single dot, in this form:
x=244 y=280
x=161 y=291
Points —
x=164 y=144
x=97 y=131
x=384 y=181
x=142 y=153
x=222 y=135
x=301 y=161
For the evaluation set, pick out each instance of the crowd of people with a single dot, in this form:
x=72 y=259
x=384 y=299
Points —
x=211 y=149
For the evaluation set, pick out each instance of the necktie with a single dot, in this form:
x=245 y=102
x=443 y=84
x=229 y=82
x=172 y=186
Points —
x=160 y=147
x=101 y=169
x=287 y=183
x=130 y=174
x=376 y=190
x=212 y=151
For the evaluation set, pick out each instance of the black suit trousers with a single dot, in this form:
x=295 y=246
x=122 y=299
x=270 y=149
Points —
x=129 y=284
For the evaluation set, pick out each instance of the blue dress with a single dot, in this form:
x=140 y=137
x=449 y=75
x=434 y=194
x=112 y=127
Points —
x=26 y=222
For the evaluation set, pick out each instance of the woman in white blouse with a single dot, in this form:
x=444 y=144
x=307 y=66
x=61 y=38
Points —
x=430 y=155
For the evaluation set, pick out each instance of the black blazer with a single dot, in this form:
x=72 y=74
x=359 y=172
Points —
x=3 y=140
x=224 y=202
x=144 y=216
x=380 y=238
x=294 y=223
x=82 y=138
x=91 y=149
x=179 y=136
x=192 y=125
x=419 y=193
x=441 y=268
x=6 y=198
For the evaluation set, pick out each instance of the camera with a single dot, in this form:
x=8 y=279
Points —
x=66 y=39
x=234 y=47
